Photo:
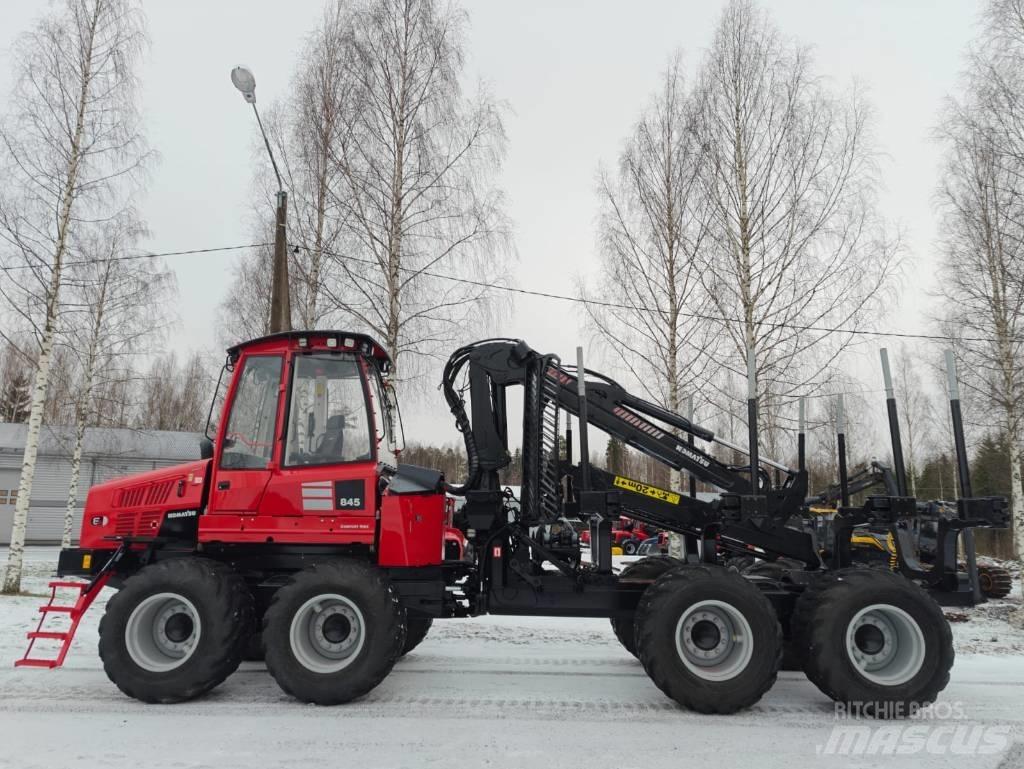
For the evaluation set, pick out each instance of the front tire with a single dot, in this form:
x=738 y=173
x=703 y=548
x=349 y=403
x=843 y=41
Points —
x=333 y=632
x=175 y=630
x=873 y=640
x=708 y=638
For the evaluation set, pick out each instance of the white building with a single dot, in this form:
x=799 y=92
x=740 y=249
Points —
x=107 y=453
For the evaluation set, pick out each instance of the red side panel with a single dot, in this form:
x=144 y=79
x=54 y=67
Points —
x=412 y=529
x=332 y=504
x=136 y=505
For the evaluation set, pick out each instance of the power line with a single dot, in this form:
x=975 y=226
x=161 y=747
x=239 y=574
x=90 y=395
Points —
x=525 y=292
x=132 y=257
x=694 y=315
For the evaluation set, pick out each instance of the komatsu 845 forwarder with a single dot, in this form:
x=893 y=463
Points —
x=300 y=532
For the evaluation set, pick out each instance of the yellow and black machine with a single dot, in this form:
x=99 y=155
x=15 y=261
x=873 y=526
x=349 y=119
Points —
x=878 y=546
x=921 y=540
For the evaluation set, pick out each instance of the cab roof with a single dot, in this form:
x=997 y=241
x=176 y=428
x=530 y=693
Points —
x=318 y=340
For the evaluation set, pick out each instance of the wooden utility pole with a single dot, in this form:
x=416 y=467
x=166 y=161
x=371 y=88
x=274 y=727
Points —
x=280 y=301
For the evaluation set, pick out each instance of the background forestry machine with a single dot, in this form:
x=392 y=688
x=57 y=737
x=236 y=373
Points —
x=876 y=545
x=301 y=526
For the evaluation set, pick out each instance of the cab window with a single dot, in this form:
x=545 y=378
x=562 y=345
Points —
x=249 y=438
x=327 y=423
x=383 y=422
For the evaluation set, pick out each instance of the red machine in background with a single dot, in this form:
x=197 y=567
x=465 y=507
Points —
x=627 y=534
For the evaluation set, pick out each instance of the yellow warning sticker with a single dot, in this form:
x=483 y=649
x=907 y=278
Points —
x=648 y=491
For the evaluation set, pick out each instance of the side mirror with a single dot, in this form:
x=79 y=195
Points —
x=205 y=448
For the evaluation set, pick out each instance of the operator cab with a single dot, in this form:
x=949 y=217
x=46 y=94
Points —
x=337 y=407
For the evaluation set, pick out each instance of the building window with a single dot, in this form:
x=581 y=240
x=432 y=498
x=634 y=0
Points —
x=5 y=495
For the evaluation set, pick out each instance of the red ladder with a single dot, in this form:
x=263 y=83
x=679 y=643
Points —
x=87 y=592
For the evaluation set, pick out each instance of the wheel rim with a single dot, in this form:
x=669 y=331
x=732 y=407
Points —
x=885 y=644
x=162 y=632
x=327 y=633
x=714 y=640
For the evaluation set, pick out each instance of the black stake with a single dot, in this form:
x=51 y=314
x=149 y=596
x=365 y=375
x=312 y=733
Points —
x=581 y=391
x=963 y=471
x=844 y=487
x=894 y=426
x=801 y=437
x=752 y=420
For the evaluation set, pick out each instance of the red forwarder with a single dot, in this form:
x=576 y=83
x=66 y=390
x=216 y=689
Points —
x=300 y=537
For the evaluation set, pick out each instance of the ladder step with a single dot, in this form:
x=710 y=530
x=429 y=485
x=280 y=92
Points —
x=48 y=635
x=35 y=663
x=79 y=585
x=59 y=609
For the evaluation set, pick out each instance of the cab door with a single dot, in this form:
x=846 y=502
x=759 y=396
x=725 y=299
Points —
x=328 y=472
x=243 y=463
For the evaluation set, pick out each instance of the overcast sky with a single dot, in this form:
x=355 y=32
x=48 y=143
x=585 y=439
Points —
x=575 y=76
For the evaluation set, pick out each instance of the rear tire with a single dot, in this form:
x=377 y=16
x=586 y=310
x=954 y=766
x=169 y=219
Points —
x=416 y=629
x=629 y=547
x=708 y=638
x=646 y=568
x=873 y=640
x=333 y=632
x=175 y=630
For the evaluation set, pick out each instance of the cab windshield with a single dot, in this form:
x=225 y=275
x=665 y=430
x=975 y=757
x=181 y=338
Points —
x=328 y=421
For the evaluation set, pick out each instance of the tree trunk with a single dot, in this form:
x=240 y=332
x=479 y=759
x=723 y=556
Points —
x=12 y=575
x=1016 y=499
x=76 y=467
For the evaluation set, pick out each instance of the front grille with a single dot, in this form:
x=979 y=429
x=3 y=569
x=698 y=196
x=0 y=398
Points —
x=145 y=494
x=124 y=524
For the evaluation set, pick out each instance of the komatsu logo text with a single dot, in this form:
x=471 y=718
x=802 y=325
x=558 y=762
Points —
x=648 y=491
x=693 y=455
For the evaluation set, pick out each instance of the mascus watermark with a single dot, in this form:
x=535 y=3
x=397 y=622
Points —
x=937 y=729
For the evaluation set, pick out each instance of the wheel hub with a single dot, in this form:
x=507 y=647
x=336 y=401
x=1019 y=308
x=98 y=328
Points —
x=327 y=632
x=714 y=640
x=178 y=627
x=162 y=632
x=885 y=644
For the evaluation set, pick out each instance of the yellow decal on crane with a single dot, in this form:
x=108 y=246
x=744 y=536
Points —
x=648 y=491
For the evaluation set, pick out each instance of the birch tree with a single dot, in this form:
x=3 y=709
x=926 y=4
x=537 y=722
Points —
x=121 y=303
x=68 y=143
x=795 y=244
x=307 y=130
x=917 y=412
x=303 y=129
x=982 y=272
x=15 y=384
x=416 y=159
x=651 y=229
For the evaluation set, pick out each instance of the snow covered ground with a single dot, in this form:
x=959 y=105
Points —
x=495 y=692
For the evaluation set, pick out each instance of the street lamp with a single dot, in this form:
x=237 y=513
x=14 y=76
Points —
x=280 y=303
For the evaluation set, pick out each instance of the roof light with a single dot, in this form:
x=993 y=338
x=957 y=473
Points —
x=303 y=342
x=332 y=342
x=349 y=342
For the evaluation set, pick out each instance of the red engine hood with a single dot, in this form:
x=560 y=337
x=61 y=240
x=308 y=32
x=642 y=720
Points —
x=135 y=504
